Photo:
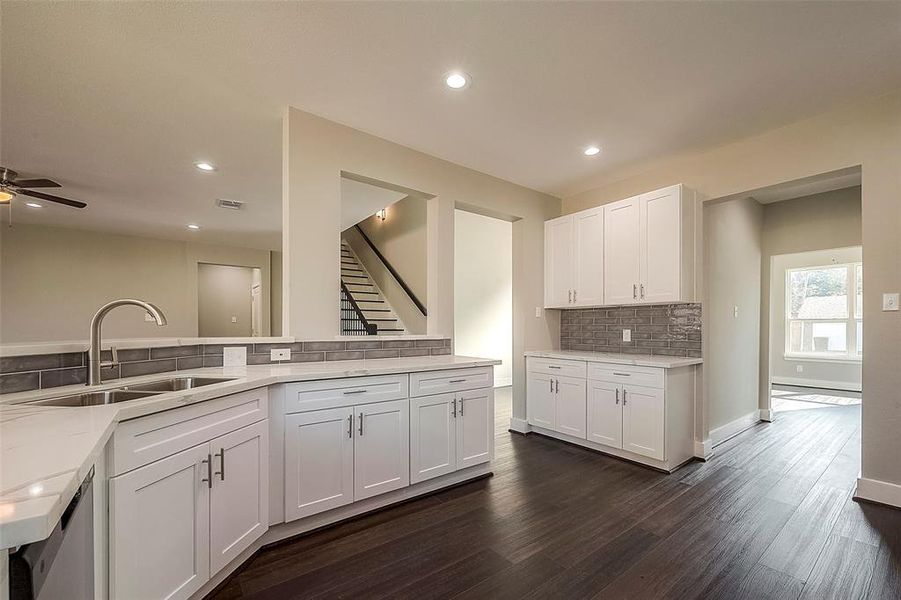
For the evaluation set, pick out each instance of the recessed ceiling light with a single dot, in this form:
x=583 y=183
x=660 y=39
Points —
x=34 y=205
x=591 y=151
x=205 y=166
x=456 y=80
x=193 y=226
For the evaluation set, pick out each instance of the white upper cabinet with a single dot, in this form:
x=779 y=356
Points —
x=558 y=262
x=621 y=252
x=637 y=250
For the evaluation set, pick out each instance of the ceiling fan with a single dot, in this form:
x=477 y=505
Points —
x=10 y=187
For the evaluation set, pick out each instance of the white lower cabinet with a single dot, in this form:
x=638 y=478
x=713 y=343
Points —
x=179 y=519
x=475 y=427
x=605 y=414
x=541 y=400
x=381 y=448
x=643 y=421
x=570 y=406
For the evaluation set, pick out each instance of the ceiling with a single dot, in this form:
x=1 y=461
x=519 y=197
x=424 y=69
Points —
x=360 y=201
x=118 y=100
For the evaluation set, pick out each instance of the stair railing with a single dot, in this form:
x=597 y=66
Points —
x=353 y=321
x=393 y=271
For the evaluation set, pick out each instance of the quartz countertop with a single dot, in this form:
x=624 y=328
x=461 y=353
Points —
x=639 y=360
x=47 y=451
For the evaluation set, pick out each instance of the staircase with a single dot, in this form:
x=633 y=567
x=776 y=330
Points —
x=359 y=292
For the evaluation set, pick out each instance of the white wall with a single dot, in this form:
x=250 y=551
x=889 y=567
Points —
x=483 y=290
x=52 y=280
x=817 y=373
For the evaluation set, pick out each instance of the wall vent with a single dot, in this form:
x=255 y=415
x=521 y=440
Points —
x=229 y=204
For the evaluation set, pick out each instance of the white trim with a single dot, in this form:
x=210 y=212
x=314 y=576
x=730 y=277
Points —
x=503 y=382
x=704 y=449
x=818 y=383
x=824 y=358
x=519 y=425
x=733 y=428
x=882 y=492
x=766 y=415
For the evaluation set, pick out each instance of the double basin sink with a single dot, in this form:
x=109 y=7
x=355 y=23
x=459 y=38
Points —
x=131 y=391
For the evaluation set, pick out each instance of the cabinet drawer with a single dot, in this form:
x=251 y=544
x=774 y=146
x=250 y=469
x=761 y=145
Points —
x=143 y=440
x=555 y=366
x=453 y=380
x=626 y=374
x=350 y=391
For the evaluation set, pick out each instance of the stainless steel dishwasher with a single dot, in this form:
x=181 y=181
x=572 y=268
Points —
x=62 y=566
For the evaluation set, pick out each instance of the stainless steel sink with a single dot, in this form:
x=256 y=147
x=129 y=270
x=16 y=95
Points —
x=95 y=398
x=176 y=384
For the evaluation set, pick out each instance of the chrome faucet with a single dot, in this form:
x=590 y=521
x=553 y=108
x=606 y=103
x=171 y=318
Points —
x=97 y=321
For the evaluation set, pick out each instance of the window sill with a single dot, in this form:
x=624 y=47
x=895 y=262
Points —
x=821 y=358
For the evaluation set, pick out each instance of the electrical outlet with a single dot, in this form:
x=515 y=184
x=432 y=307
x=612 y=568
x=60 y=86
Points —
x=799 y=368
x=627 y=335
x=890 y=301
x=280 y=354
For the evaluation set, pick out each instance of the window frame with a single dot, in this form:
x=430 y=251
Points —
x=852 y=353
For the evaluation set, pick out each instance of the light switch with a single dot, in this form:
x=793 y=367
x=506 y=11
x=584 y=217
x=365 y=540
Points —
x=234 y=319
x=890 y=301
x=280 y=354
x=234 y=356
x=627 y=335
x=537 y=312
x=799 y=368
x=735 y=312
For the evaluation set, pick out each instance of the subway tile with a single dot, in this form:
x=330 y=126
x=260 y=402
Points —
x=686 y=345
x=126 y=355
x=258 y=359
x=635 y=320
x=323 y=346
x=133 y=369
x=109 y=372
x=344 y=355
x=621 y=312
x=447 y=342
x=213 y=360
x=39 y=362
x=408 y=352
x=266 y=348
x=20 y=382
x=58 y=377
x=303 y=357
x=216 y=349
x=652 y=344
x=364 y=345
x=428 y=343
x=389 y=344
x=173 y=352
x=440 y=351
x=381 y=354
x=189 y=362
x=669 y=351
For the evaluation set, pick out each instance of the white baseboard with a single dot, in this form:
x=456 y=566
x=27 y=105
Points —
x=817 y=383
x=704 y=449
x=503 y=382
x=733 y=428
x=766 y=415
x=519 y=425
x=882 y=492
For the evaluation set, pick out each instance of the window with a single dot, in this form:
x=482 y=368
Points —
x=824 y=312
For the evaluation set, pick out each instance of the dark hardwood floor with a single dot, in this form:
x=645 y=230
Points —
x=770 y=516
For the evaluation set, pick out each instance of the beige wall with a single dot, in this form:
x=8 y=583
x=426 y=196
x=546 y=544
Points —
x=275 y=304
x=866 y=134
x=732 y=236
x=52 y=280
x=317 y=150
x=223 y=292
x=817 y=222
x=483 y=290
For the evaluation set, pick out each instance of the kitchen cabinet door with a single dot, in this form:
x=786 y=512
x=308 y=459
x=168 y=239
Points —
x=621 y=252
x=319 y=461
x=605 y=414
x=433 y=436
x=540 y=400
x=159 y=527
x=475 y=427
x=643 y=421
x=558 y=262
x=381 y=448
x=570 y=406
x=661 y=246
x=239 y=500
x=588 y=284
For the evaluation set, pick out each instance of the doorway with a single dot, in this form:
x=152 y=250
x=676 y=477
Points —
x=483 y=290
x=229 y=301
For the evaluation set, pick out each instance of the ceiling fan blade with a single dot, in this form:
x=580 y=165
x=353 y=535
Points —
x=49 y=198
x=35 y=183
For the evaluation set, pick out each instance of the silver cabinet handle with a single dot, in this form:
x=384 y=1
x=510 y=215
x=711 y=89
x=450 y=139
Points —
x=454 y=404
x=350 y=425
x=461 y=407
x=554 y=367
x=361 y=424
x=354 y=392
x=221 y=471
x=557 y=386
x=635 y=291
x=209 y=474
x=456 y=381
x=622 y=374
x=552 y=385
x=624 y=396
x=575 y=294
x=641 y=287
x=617 y=395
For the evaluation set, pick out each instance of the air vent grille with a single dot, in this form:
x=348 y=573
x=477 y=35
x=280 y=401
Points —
x=229 y=204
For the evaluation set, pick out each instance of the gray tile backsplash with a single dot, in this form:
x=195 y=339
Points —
x=663 y=329
x=23 y=373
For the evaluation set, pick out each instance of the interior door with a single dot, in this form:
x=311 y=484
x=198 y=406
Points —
x=433 y=436
x=661 y=245
x=475 y=427
x=381 y=448
x=605 y=413
x=239 y=501
x=159 y=527
x=570 y=406
x=588 y=287
x=643 y=421
x=621 y=252
x=319 y=461
x=558 y=261
x=540 y=400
